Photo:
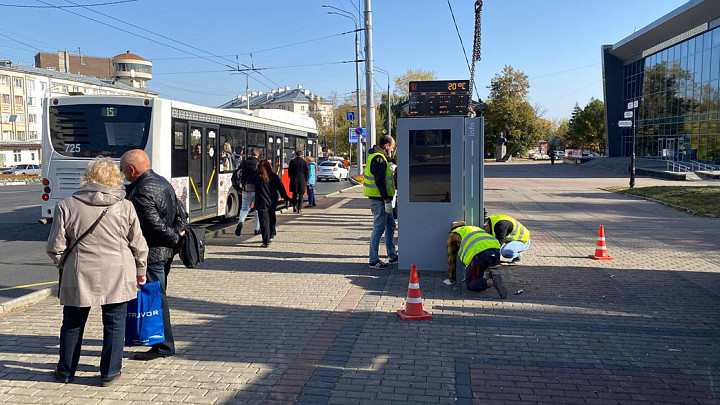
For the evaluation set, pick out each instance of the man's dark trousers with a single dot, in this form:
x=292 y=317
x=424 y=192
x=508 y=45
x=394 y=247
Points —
x=159 y=271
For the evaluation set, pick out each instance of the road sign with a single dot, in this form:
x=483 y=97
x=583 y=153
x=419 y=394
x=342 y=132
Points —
x=635 y=104
x=353 y=134
x=630 y=105
x=350 y=115
x=628 y=114
x=625 y=124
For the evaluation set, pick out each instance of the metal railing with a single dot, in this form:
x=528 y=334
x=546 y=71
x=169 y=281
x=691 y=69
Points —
x=677 y=167
x=702 y=166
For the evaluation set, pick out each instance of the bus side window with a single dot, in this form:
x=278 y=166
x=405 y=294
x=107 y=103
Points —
x=180 y=150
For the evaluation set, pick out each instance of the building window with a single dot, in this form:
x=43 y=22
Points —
x=33 y=136
x=16 y=155
x=6 y=135
x=302 y=108
x=3 y=80
x=32 y=118
x=21 y=135
x=64 y=89
x=31 y=84
x=19 y=118
x=5 y=117
x=5 y=98
x=76 y=89
x=32 y=156
x=17 y=81
x=18 y=100
x=42 y=85
x=31 y=101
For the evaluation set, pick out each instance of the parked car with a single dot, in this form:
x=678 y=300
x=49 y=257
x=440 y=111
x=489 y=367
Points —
x=589 y=153
x=538 y=156
x=559 y=154
x=23 y=169
x=332 y=169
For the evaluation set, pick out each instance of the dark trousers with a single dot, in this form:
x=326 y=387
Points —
x=475 y=277
x=159 y=271
x=267 y=224
x=297 y=200
x=311 y=195
x=71 y=335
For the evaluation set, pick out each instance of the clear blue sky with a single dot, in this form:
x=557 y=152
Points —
x=556 y=42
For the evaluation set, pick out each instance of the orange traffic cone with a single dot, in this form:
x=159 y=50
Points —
x=413 y=304
x=601 y=252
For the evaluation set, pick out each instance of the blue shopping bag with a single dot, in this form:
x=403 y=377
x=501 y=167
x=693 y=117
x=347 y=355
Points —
x=144 y=323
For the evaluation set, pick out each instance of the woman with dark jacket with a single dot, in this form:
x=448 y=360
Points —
x=267 y=186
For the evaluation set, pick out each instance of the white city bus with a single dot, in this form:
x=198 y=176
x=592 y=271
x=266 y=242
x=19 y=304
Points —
x=196 y=148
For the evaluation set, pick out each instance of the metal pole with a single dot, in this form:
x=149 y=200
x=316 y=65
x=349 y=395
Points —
x=357 y=98
x=334 y=130
x=369 y=91
x=247 y=89
x=632 y=156
x=389 y=110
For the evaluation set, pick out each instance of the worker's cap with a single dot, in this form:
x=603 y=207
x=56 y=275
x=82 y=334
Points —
x=457 y=224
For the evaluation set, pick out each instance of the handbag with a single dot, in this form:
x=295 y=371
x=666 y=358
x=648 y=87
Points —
x=63 y=258
x=144 y=323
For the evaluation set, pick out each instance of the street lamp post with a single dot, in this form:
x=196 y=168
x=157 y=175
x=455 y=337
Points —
x=343 y=13
x=389 y=121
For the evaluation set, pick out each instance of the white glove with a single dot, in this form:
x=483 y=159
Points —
x=388 y=208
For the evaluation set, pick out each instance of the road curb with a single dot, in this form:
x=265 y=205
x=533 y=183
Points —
x=28 y=299
x=14 y=183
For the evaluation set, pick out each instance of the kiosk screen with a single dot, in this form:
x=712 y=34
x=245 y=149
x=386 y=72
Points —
x=429 y=165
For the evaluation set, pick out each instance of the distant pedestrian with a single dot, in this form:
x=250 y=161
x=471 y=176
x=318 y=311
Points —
x=267 y=187
x=105 y=268
x=552 y=157
x=346 y=163
x=299 y=173
x=312 y=170
x=245 y=170
x=157 y=208
x=379 y=186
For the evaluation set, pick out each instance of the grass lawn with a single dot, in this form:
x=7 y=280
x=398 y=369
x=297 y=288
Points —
x=704 y=200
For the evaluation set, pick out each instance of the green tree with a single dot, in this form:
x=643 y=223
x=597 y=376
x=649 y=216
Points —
x=508 y=112
x=587 y=126
x=402 y=83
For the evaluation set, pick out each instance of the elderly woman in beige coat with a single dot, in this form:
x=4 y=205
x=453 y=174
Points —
x=105 y=268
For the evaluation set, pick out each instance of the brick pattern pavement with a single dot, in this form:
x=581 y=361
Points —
x=305 y=321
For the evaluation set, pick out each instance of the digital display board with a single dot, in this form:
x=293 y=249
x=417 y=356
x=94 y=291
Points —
x=439 y=98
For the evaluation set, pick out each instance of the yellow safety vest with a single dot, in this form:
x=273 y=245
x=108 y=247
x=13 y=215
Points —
x=369 y=187
x=474 y=241
x=519 y=232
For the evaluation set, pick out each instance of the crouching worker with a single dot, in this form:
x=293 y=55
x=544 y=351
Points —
x=514 y=237
x=477 y=250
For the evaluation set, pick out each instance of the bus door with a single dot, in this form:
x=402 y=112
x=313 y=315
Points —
x=203 y=170
x=275 y=152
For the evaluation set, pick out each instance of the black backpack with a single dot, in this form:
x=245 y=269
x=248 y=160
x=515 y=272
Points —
x=235 y=179
x=192 y=247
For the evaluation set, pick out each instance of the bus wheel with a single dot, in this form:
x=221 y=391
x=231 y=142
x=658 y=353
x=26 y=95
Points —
x=232 y=206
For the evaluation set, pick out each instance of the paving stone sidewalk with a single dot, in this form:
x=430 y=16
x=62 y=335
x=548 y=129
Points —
x=306 y=321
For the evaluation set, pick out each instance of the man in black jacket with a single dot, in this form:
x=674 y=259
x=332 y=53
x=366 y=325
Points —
x=247 y=169
x=156 y=205
x=298 y=172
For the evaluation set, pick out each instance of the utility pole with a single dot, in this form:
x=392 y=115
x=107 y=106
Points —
x=369 y=92
x=334 y=129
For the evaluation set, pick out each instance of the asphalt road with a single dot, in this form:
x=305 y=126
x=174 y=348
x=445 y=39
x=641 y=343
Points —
x=24 y=265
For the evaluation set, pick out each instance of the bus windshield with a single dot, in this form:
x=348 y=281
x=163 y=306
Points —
x=90 y=130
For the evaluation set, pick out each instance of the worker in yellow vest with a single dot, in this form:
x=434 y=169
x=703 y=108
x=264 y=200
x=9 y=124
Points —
x=477 y=250
x=379 y=187
x=514 y=236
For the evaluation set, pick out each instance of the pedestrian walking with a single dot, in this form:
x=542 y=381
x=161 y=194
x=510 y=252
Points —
x=267 y=187
x=244 y=171
x=156 y=206
x=477 y=250
x=552 y=157
x=312 y=170
x=103 y=265
x=379 y=186
x=299 y=173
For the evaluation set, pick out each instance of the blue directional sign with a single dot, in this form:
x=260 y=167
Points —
x=350 y=115
x=353 y=134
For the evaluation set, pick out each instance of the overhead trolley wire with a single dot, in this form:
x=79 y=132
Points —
x=109 y=3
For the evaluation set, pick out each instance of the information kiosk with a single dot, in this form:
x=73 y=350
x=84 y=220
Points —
x=440 y=171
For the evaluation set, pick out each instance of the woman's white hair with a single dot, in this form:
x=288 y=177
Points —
x=103 y=171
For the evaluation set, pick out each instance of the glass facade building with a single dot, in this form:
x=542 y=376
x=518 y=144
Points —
x=665 y=79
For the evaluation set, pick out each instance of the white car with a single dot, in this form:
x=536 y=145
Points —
x=23 y=169
x=332 y=169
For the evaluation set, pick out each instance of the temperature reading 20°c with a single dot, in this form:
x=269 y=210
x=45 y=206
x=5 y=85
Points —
x=455 y=86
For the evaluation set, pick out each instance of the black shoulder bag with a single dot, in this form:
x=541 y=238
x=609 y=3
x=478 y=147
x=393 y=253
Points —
x=64 y=256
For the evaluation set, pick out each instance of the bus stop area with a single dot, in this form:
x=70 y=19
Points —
x=307 y=321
